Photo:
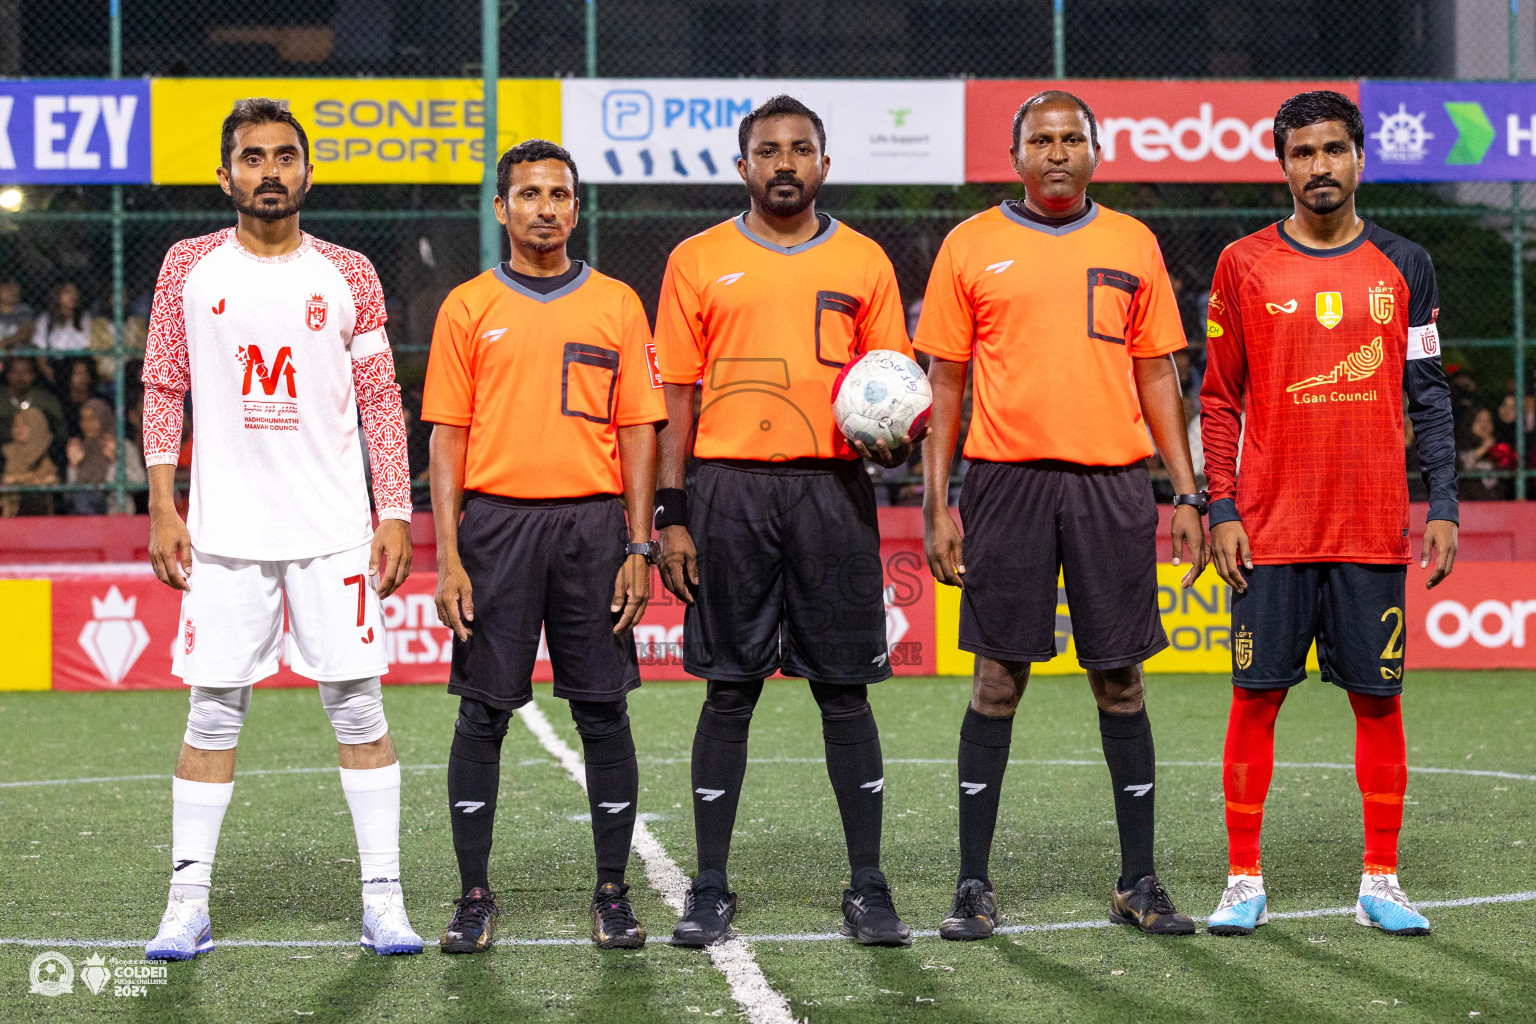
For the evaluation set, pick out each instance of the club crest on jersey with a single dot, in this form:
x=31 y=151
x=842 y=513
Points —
x=1242 y=648
x=189 y=637
x=1330 y=309
x=1382 y=303
x=314 y=312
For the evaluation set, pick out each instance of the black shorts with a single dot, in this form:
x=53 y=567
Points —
x=1353 y=611
x=549 y=564
x=1095 y=526
x=790 y=577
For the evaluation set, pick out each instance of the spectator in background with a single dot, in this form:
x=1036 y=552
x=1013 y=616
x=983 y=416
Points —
x=27 y=462
x=79 y=387
x=23 y=392
x=63 y=325
x=1464 y=403
x=1478 y=451
x=15 y=317
x=92 y=458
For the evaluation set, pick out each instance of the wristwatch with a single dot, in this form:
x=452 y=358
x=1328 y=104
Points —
x=650 y=549
x=1199 y=501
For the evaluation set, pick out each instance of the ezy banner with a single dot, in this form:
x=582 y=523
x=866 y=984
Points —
x=1449 y=131
x=74 y=132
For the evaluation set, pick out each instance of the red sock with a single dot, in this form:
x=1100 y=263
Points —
x=1247 y=763
x=1381 y=769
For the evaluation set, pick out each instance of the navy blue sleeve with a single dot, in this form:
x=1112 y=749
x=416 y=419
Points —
x=1429 y=393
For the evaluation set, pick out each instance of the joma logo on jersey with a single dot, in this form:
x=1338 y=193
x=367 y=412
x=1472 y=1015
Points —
x=314 y=313
x=1382 y=303
x=255 y=366
x=1330 y=309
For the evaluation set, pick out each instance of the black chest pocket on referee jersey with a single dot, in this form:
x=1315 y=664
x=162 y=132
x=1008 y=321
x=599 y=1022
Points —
x=1109 y=303
x=834 y=332
x=589 y=377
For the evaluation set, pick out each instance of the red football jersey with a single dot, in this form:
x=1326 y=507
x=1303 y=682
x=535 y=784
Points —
x=1309 y=351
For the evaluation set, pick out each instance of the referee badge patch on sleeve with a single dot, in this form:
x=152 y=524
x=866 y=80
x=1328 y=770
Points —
x=653 y=365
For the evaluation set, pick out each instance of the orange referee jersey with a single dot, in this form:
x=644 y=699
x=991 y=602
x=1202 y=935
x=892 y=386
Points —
x=1052 y=317
x=767 y=328
x=543 y=382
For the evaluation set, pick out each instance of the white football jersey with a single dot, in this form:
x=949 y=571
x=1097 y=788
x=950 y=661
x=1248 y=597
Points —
x=268 y=347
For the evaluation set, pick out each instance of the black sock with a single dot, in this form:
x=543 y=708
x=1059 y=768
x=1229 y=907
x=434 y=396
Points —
x=856 y=767
x=613 y=782
x=474 y=773
x=1132 y=772
x=719 y=765
x=984 y=744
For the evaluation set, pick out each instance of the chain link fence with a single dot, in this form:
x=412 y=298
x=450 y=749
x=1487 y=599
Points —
x=108 y=241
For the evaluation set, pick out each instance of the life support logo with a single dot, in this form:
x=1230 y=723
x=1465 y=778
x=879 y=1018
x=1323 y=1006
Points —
x=1490 y=623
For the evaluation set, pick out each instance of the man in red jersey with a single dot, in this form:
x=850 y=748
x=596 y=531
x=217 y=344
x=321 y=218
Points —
x=1317 y=324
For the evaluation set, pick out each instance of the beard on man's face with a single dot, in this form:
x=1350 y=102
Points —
x=786 y=206
x=251 y=204
x=1322 y=203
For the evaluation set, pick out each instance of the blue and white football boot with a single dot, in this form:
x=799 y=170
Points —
x=1243 y=907
x=184 y=930
x=386 y=930
x=1383 y=905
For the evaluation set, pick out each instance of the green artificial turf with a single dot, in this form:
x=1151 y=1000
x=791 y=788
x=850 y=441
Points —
x=89 y=860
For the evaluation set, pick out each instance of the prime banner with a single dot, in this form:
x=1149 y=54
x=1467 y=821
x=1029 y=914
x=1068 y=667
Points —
x=684 y=130
x=1150 y=131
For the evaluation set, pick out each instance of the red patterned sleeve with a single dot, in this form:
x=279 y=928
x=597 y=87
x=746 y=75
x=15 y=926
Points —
x=167 y=374
x=378 y=402
x=1224 y=390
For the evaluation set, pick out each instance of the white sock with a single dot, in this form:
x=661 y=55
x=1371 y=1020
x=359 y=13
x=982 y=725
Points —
x=197 y=814
x=373 y=794
x=1367 y=880
x=1257 y=880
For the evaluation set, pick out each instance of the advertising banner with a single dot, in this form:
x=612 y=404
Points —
x=1478 y=618
x=74 y=132
x=361 y=130
x=1449 y=131
x=116 y=631
x=1149 y=130
x=683 y=130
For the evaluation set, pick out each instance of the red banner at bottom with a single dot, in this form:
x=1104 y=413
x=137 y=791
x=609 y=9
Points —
x=116 y=631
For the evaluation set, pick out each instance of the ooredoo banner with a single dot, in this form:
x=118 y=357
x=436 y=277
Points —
x=684 y=130
x=1150 y=131
x=116 y=631
x=1477 y=618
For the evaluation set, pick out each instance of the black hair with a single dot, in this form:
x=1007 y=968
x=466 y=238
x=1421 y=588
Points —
x=1055 y=96
x=259 y=110
x=1309 y=108
x=531 y=151
x=773 y=107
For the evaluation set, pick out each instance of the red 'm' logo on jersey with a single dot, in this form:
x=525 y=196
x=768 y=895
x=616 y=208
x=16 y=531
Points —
x=314 y=312
x=280 y=371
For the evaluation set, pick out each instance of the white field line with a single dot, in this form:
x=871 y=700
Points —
x=1413 y=769
x=733 y=958
x=924 y=933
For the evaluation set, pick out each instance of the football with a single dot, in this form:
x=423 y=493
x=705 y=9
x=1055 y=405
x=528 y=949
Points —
x=881 y=396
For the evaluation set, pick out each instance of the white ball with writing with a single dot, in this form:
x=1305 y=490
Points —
x=881 y=396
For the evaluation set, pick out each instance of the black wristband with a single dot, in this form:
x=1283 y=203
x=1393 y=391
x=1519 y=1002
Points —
x=671 y=507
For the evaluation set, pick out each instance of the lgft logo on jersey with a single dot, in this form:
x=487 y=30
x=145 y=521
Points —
x=276 y=406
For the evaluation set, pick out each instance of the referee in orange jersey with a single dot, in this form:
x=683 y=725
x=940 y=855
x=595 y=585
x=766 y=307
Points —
x=546 y=408
x=776 y=550
x=1067 y=312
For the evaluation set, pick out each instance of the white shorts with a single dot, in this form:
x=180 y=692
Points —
x=232 y=620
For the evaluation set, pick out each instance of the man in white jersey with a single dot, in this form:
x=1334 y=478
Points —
x=280 y=338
